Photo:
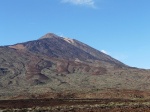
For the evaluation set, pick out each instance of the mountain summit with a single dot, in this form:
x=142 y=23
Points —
x=49 y=35
x=56 y=46
x=54 y=67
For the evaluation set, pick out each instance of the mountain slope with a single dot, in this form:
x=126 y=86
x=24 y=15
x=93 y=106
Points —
x=54 y=67
x=55 y=46
x=97 y=54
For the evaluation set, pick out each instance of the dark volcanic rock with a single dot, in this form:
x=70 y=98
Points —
x=57 y=47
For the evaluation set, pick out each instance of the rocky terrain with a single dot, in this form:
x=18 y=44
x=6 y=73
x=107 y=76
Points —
x=57 y=67
x=78 y=105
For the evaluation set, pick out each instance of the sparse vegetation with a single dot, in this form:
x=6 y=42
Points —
x=85 y=105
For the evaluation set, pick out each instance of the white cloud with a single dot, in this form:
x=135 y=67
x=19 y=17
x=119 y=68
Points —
x=103 y=51
x=90 y=3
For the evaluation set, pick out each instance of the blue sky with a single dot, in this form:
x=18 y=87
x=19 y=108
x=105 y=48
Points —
x=119 y=27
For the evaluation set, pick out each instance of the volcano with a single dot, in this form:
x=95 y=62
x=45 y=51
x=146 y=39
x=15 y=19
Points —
x=58 y=67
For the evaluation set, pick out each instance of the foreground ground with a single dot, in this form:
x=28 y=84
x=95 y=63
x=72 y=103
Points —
x=75 y=105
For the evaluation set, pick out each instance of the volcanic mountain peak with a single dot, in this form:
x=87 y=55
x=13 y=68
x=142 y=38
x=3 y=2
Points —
x=68 y=40
x=55 y=67
x=50 y=35
x=61 y=47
